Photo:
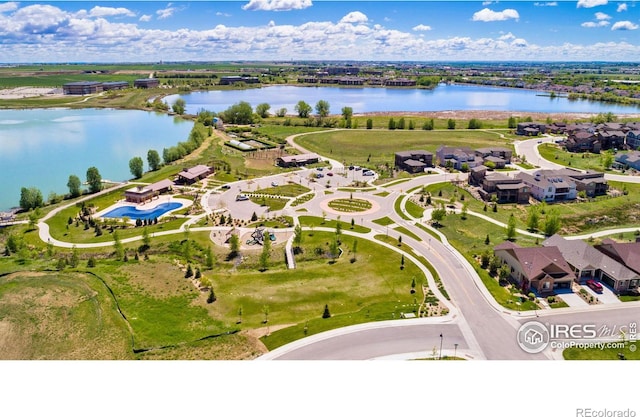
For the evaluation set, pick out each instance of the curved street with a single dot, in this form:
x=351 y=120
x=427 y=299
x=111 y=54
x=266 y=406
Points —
x=477 y=327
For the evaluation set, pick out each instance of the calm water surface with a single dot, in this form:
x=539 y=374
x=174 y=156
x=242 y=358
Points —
x=367 y=99
x=42 y=147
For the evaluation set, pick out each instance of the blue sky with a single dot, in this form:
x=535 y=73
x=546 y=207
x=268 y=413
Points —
x=147 y=31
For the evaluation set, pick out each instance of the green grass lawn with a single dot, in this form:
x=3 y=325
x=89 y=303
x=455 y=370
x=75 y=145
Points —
x=354 y=146
x=285 y=190
x=556 y=154
x=61 y=316
x=607 y=353
x=273 y=203
x=413 y=209
x=350 y=205
x=407 y=232
x=312 y=221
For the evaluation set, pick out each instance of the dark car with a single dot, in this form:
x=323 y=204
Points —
x=594 y=285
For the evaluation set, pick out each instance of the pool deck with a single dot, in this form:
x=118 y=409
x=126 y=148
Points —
x=149 y=205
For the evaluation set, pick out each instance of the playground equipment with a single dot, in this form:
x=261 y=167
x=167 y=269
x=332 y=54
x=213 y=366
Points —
x=259 y=235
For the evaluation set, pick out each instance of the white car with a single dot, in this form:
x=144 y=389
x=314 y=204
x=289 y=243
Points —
x=241 y=197
x=274 y=184
x=368 y=173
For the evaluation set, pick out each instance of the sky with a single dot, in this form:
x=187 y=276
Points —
x=283 y=30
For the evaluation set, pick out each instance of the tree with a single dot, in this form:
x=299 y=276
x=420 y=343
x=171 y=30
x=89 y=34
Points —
x=74 y=184
x=117 y=246
x=412 y=125
x=326 y=314
x=266 y=253
x=136 y=166
x=234 y=245
x=347 y=112
x=511 y=227
x=240 y=113
x=209 y=258
x=369 y=124
x=399 y=240
x=146 y=239
x=512 y=123
x=402 y=262
x=298 y=237
x=533 y=220
x=198 y=273
x=179 y=106
x=607 y=160
x=487 y=240
x=303 y=109
x=153 y=159
x=474 y=124
x=30 y=198
x=485 y=258
x=552 y=223
x=437 y=215
x=322 y=108
x=401 y=123
x=451 y=124
x=212 y=296
x=189 y=272
x=281 y=112
x=413 y=285
x=464 y=211
x=354 y=250
x=392 y=124
x=94 y=179
x=334 y=249
x=262 y=110
x=428 y=125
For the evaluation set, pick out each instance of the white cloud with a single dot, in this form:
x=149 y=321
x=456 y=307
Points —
x=602 y=16
x=507 y=36
x=546 y=4
x=277 y=5
x=8 y=7
x=486 y=3
x=421 y=27
x=145 y=18
x=488 y=15
x=601 y=23
x=622 y=7
x=166 y=12
x=100 y=11
x=355 y=17
x=223 y=14
x=624 y=25
x=591 y=3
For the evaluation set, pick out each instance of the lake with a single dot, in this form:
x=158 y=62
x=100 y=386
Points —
x=371 y=99
x=42 y=147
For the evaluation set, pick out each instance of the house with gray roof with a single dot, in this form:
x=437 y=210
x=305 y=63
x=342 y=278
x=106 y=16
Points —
x=587 y=262
x=629 y=159
x=413 y=161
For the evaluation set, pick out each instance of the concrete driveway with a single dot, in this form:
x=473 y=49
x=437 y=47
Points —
x=571 y=298
x=606 y=297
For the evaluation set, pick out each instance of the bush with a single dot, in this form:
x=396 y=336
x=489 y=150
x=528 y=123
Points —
x=531 y=296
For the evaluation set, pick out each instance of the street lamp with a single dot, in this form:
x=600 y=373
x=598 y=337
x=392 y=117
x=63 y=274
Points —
x=440 y=346
x=455 y=349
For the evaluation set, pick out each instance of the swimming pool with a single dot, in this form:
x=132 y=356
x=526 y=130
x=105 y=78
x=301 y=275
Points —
x=135 y=213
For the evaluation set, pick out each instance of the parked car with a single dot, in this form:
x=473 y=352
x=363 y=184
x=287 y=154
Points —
x=274 y=184
x=351 y=167
x=319 y=175
x=357 y=168
x=594 y=285
x=320 y=168
x=241 y=197
x=226 y=187
x=368 y=173
x=330 y=174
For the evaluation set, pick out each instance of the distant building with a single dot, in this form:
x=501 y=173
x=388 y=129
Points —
x=81 y=88
x=232 y=79
x=115 y=85
x=413 y=161
x=146 y=83
x=457 y=157
x=297 y=160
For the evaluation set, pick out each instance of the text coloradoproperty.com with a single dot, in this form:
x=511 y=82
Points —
x=558 y=344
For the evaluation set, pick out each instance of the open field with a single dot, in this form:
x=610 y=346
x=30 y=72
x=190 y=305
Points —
x=50 y=315
x=377 y=147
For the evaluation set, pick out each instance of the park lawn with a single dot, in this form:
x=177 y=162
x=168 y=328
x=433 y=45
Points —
x=413 y=209
x=384 y=221
x=312 y=221
x=60 y=316
x=407 y=232
x=585 y=160
x=162 y=307
x=286 y=190
x=355 y=146
x=273 y=203
x=279 y=133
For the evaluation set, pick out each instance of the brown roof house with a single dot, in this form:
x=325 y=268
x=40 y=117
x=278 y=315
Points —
x=297 y=160
x=539 y=269
x=142 y=193
x=194 y=174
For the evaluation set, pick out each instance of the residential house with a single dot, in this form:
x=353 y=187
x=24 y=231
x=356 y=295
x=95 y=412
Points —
x=591 y=182
x=629 y=159
x=632 y=141
x=530 y=129
x=82 y=88
x=627 y=254
x=506 y=189
x=588 y=262
x=539 y=269
x=582 y=141
x=413 y=161
x=497 y=152
x=457 y=157
x=477 y=174
x=549 y=185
